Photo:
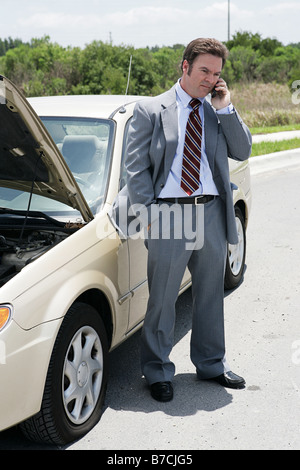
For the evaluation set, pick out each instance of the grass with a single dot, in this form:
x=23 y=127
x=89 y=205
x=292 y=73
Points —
x=265 y=105
x=267 y=108
x=273 y=129
x=264 y=148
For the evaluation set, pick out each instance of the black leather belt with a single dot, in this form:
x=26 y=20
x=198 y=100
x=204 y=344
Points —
x=189 y=200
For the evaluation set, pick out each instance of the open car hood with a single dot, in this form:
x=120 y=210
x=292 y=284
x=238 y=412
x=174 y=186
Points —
x=29 y=159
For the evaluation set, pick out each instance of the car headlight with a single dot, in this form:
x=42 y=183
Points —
x=5 y=314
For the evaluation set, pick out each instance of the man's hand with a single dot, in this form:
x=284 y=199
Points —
x=222 y=98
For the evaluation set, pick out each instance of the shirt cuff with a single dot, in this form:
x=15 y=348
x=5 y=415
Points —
x=227 y=110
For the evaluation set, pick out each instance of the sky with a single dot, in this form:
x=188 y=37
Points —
x=142 y=23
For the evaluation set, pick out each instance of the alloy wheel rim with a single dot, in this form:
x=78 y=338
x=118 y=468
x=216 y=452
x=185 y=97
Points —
x=236 y=252
x=82 y=375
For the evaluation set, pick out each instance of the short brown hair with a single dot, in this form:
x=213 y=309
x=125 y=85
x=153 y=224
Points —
x=204 y=46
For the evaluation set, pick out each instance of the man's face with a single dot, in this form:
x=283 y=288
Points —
x=199 y=79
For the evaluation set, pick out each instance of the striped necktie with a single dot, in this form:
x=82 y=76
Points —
x=190 y=176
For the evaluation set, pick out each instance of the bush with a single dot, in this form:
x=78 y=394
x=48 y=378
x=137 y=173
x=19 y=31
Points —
x=263 y=105
x=277 y=117
x=258 y=71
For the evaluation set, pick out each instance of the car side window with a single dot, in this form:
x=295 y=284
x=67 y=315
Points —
x=123 y=173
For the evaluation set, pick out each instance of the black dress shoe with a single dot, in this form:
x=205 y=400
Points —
x=162 y=391
x=230 y=380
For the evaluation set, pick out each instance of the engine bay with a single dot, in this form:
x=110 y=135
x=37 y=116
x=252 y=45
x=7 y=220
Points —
x=21 y=245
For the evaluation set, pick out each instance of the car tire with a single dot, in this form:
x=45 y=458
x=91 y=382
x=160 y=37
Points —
x=76 y=381
x=236 y=254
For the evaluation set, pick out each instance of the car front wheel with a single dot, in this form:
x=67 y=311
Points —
x=76 y=380
x=236 y=254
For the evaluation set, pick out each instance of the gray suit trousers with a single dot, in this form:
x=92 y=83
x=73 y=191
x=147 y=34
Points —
x=167 y=261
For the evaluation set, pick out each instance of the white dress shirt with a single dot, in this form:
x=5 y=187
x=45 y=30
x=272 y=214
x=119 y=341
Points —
x=172 y=187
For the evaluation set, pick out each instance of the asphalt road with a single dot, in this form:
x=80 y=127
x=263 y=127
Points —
x=263 y=345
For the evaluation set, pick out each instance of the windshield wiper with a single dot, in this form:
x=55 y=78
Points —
x=35 y=214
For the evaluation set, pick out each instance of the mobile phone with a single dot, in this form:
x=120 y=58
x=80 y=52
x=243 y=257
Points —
x=214 y=92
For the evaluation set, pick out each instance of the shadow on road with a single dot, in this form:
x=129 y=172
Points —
x=127 y=390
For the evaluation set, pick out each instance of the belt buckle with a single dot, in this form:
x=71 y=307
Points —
x=198 y=200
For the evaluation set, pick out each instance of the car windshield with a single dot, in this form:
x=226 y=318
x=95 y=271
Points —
x=86 y=145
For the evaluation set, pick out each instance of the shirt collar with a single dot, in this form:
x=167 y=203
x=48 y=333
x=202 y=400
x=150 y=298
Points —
x=183 y=95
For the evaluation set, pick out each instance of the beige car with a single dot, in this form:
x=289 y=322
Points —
x=71 y=288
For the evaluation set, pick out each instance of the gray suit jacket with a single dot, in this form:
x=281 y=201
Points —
x=152 y=143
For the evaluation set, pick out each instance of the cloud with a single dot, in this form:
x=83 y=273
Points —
x=144 y=15
x=148 y=25
x=283 y=8
x=55 y=20
x=168 y=16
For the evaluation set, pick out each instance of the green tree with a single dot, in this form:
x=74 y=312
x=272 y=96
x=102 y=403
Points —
x=9 y=43
x=243 y=63
x=42 y=67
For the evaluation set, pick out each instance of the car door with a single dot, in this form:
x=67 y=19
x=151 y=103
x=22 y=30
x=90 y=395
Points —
x=137 y=256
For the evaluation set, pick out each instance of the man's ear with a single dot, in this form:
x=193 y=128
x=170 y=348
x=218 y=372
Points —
x=185 y=66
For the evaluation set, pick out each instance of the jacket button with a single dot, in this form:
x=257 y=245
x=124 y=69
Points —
x=162 y=185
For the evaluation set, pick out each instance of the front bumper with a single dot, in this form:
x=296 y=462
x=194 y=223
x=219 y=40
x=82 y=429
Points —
x=24 y=360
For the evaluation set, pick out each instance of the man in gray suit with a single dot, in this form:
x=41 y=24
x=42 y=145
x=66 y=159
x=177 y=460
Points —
x=155 y=161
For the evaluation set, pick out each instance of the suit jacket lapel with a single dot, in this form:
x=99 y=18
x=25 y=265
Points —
x=169 y=118
x=211 y=134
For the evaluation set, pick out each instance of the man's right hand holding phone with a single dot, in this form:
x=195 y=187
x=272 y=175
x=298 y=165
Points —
x=220 y=95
